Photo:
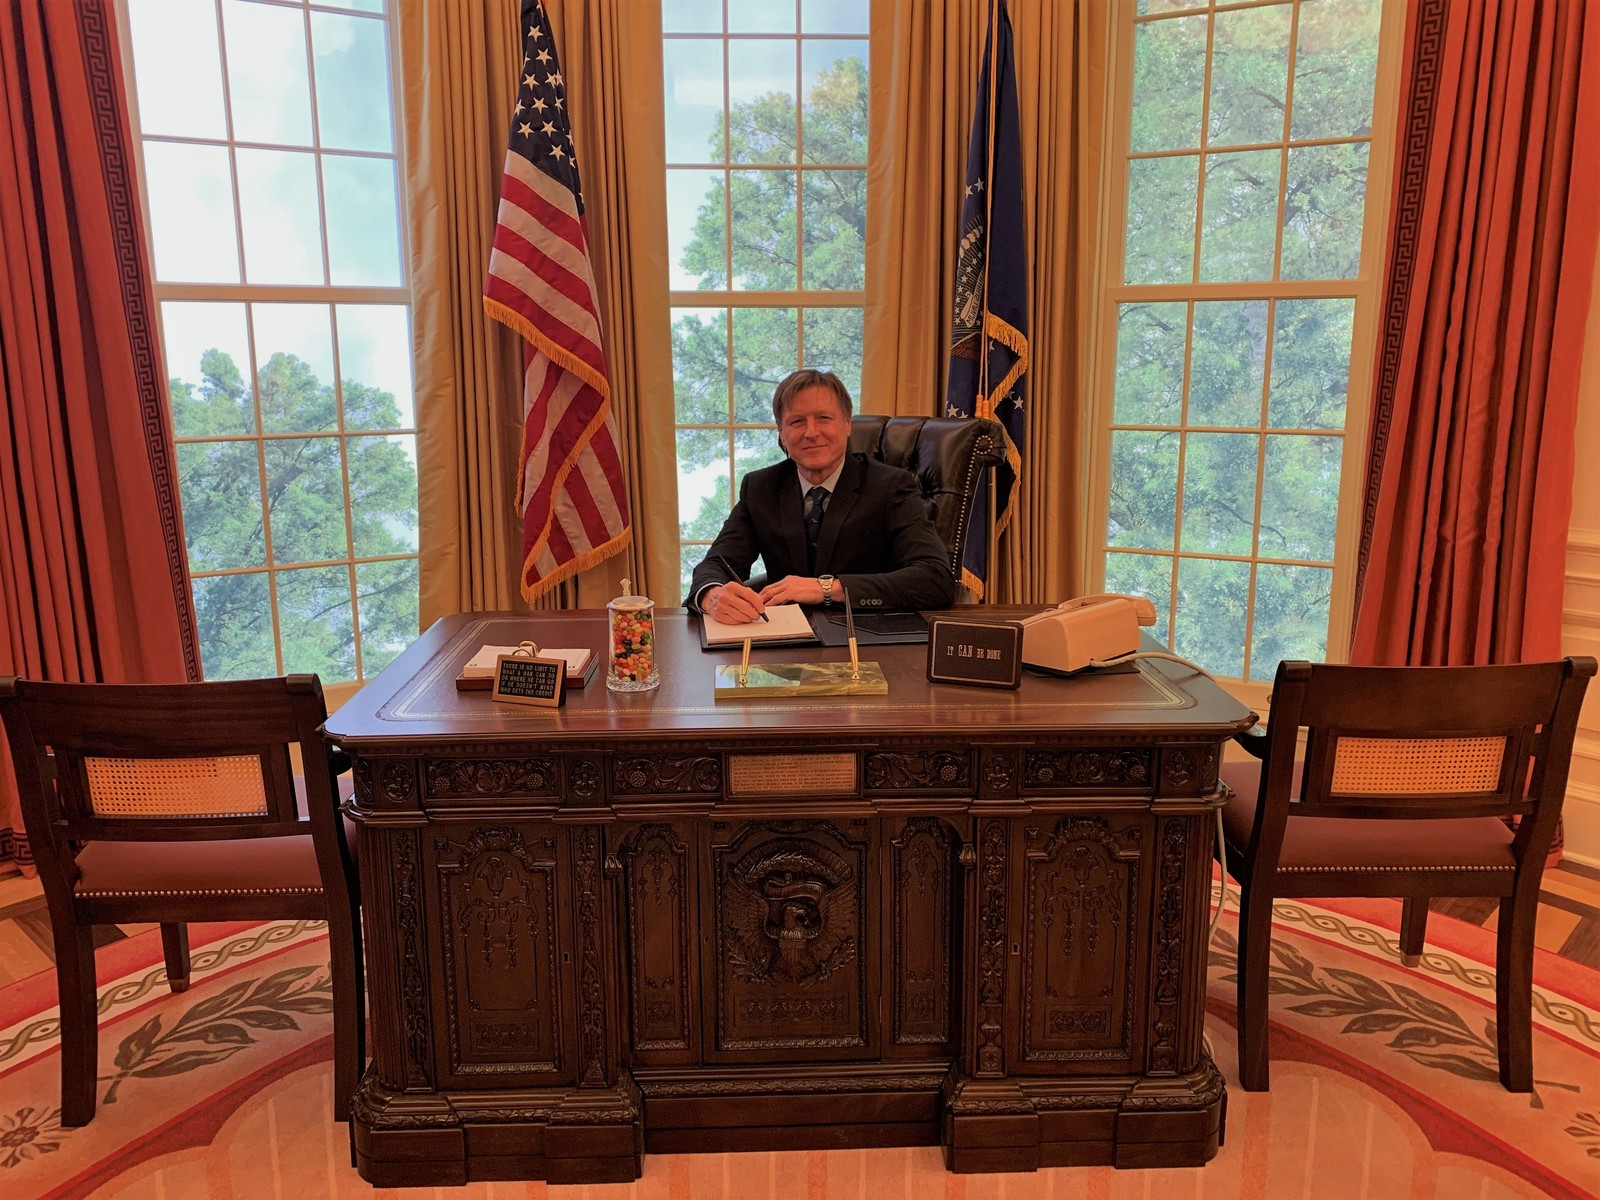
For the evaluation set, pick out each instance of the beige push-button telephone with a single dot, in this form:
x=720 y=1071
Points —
x=1082 y=632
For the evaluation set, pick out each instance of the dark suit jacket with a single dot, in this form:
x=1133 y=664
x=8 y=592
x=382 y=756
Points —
x=876 y=536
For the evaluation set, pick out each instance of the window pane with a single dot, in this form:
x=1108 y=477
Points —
x=387 y=603
x=1249 y=75
x=692 y=69
x=754 y=449
x=1149 y=388
x=375 y=361
x=766 y=347
x=189 y=191
x=233 y=615
x=689 y=556
x=177 y=67
x=1322 y=226
x=267 y=90
x=833 y=16
x=1169 y=59
x=315 y=623
x=1310 y=364
x=1144 y=489
x=696 y=229
x=282 y=222
x=832 y=342
x=1147 y=575
x=764 y=230
x=761 y=95
x=834 y=83
x=294 y=347
x=700 y=365
x=1336 y=63
x=307 y=508
x=1241 y=216
x=208 y=356
x=1291 y=617
x=352 y=62
x=704 y=469
x=1162 y=193
x=220 y=487
x=835 y=220
x=691 y=16
x=1209 y=625
x=1219 y=492
x=1300 y=497
x=761 y=16
x=1229 y=362
x=383 y=494
x=363 y=220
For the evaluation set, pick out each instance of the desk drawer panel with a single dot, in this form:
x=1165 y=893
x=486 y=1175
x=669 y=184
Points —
x=791 y=921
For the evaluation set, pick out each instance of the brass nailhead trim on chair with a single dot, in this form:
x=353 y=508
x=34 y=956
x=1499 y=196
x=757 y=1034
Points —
x=1282 y=870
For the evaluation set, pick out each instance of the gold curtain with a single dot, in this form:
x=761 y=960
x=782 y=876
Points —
x=924 y=86
x=459 y=61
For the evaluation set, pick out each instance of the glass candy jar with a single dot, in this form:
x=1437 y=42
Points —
x=631 y=666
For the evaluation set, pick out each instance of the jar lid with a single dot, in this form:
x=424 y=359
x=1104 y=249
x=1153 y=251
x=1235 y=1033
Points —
x=630 y=602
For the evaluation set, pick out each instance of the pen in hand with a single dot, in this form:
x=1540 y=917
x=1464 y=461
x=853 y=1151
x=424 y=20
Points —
x=733 y=577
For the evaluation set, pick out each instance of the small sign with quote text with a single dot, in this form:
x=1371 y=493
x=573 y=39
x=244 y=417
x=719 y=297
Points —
x=980 y=653
x=522 y=677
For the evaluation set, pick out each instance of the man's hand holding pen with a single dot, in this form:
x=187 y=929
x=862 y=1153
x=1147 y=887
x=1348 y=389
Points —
x=734 y=604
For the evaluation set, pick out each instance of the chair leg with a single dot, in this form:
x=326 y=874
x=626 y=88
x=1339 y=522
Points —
x=80 y=1023
x=1513 y=992
x=349 y=1006
x=1413 y=929
x=175 y=949
x=1255 y=948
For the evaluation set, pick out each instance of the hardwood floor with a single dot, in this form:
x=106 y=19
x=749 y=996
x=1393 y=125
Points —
x=1569 y=920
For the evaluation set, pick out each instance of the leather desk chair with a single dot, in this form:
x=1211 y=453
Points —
x=948 y=455
x=1408 y=775
x=173 y=803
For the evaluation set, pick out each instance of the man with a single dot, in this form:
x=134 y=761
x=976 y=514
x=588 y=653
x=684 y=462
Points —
x=824 y=521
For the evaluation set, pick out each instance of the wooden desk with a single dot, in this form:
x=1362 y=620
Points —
x=654 y=922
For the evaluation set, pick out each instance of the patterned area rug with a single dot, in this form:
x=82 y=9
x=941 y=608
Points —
x=1384 y=1084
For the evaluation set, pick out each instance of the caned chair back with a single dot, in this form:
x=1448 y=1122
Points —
x=1422 y=742
x=170 y=761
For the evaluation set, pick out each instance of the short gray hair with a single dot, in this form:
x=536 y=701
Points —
x=797 y=382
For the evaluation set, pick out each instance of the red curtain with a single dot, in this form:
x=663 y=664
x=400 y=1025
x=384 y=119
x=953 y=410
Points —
x=1491 y=255
x=93 y=581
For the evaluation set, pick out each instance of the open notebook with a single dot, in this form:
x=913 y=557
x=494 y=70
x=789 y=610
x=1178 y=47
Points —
x=478 y=674
x=785 y=623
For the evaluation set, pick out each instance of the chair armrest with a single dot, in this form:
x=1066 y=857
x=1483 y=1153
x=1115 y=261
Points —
x=339 y=760
x=1254 y=740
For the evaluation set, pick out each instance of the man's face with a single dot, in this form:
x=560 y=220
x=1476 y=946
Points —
x=815 y=432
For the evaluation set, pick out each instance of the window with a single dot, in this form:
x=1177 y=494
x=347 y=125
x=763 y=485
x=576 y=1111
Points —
x=766 y=133
x=1246 y=277
x=271 y=191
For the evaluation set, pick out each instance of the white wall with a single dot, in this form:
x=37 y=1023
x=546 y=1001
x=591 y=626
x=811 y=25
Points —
x=1580 y=625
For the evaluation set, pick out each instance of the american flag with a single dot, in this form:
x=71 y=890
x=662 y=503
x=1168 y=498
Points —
x=571 y=492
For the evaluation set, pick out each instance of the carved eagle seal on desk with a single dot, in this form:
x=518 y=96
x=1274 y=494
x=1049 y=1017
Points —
x=789 y=913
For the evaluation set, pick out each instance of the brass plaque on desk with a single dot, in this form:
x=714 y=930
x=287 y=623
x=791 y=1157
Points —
x=791 y=774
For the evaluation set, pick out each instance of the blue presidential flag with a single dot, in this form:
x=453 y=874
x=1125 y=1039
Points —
x=989 y=333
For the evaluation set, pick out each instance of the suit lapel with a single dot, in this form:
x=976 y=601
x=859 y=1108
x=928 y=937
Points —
x=842 y=503
x=792 y=520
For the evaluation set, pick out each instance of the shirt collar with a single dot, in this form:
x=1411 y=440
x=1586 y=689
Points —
x=831 y=482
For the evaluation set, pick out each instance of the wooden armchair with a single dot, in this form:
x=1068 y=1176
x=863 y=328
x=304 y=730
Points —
x=174 y=803
x=1408 y=772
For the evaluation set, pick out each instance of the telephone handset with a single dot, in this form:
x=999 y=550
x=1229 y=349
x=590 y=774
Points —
x=1087 y=630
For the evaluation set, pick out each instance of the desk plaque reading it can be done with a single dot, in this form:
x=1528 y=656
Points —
x=980 y=653
x=522 y=677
